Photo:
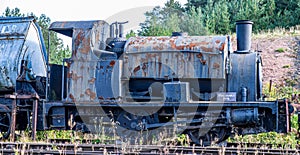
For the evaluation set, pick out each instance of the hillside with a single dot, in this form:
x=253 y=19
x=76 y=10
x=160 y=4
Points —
x=280 y=59
x=280 y=54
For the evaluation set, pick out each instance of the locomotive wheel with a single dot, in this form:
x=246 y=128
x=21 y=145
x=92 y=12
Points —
x=213 y=136
x=131 y=121
x=4 y=121
x=131 y=127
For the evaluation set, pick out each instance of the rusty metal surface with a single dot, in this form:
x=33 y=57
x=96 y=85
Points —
x=13 y=120
x=176 y=57
x=15 y=108
x=211 y=44
x=34 y=119
x=67 y=27
x=20 y=39
x=87 y=37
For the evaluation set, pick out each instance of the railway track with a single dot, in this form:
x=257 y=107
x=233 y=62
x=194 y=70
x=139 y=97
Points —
x=87 y=149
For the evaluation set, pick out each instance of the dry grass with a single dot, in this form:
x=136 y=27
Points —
x=278 y=32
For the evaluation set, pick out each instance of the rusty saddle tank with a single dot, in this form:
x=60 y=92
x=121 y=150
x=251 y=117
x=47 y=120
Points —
x=199 y=61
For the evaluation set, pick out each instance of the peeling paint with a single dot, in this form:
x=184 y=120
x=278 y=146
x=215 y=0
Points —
x=86 y=36
x=90 y=93
x=92 y=80
x=112 y=63
x=196 y=43
x=176 y=57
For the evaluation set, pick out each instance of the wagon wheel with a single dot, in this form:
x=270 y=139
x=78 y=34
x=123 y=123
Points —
x=213 y=136
x=4 y=121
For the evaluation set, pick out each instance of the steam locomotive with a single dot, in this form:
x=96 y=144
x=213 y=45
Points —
x=195 y=85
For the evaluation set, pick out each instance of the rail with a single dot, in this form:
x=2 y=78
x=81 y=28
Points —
x=72 y=149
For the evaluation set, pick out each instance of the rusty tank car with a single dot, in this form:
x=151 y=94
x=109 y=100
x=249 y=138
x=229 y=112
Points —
x=195 y=85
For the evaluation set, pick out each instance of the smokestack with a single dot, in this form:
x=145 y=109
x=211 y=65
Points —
x=243 y=35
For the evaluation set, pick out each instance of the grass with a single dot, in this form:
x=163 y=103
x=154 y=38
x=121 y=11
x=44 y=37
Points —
x=278 y=32
x=280 y=50
x=286 y=66
x=279 y=92
x=285 y=141
x=277 y=140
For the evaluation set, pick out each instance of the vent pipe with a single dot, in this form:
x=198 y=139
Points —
x=112 y=31
x=243 y=35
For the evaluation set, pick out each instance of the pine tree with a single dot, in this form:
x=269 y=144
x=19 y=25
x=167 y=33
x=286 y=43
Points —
x=193 y=22
x=221 y=18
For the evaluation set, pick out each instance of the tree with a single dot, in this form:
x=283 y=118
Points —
x=58 y=50
x=197 y=4
x=162 y=21
x=287 y=13
x=217 y=17
x=222 y=18
x=13 y=13
x=152 y=25
x=193 y=22
x=130 y=34
x=266 y=14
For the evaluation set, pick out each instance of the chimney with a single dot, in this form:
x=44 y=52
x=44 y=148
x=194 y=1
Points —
x=243 y=35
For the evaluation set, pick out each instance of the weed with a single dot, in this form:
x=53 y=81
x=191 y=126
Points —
x=280 y=50
x=278 y=92
x=286 y=66
x=183 y=139
x=275 y=139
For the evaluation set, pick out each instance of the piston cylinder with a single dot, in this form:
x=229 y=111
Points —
x=242 y=117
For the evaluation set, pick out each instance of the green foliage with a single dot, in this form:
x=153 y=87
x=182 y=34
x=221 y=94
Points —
x=280 y=50
x=58 y=134
x=219 y=16
x=294 y=122
x=279 y=92
x=130 y=34
x=183 y=139
x=162 y=21
x=12 y=13
x=286 y=66
x=192 y=22
x=277 y=140
x=58 y=50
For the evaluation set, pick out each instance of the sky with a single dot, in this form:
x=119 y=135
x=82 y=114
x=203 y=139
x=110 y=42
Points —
x=80 y=10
